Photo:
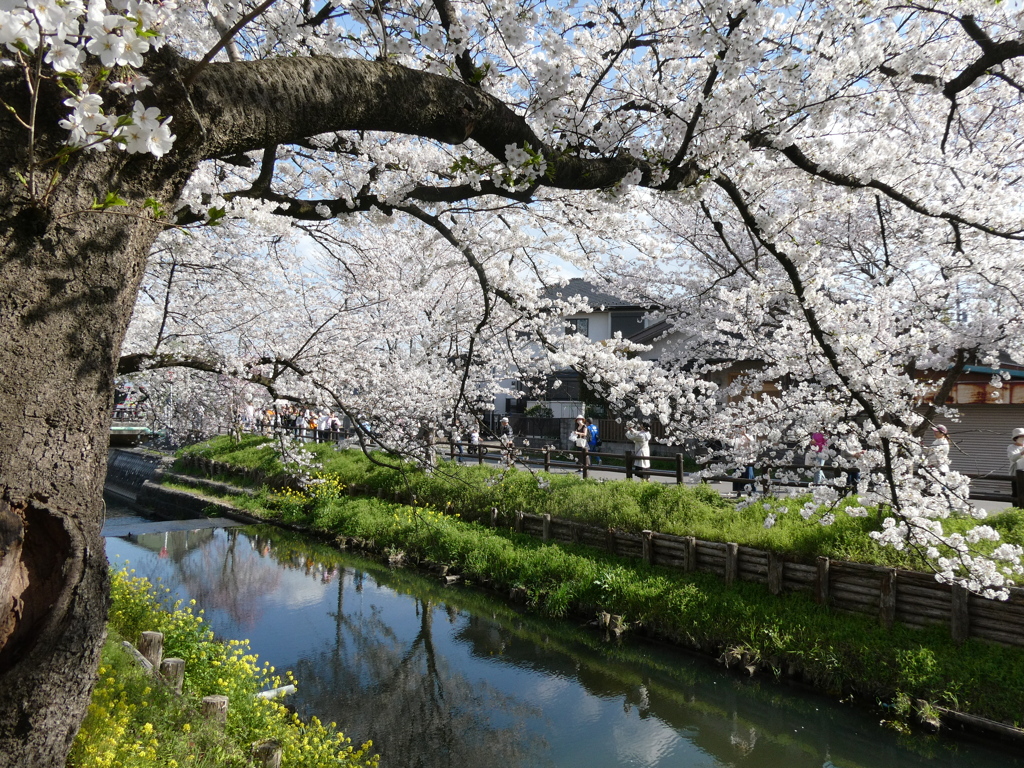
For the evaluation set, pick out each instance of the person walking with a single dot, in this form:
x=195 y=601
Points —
x=593 y=439
x=507 y=439
x=1015 y=451
x=323 y=427
x=640 y=435
x=938 y=452
x=745 y=449
x=817 y=456
x=580 y=439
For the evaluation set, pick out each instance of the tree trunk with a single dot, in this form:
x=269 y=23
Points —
x=68 y=278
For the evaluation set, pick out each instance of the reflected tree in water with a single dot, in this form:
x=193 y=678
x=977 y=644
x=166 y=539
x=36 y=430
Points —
x=217 y=569
x=381 y=684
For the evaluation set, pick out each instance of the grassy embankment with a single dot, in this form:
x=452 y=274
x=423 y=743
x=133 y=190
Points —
x=137 y=722
x=472 y=490
x=787 y=635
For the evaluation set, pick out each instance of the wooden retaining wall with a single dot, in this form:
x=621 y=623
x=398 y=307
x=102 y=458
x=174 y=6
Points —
x=909 y=597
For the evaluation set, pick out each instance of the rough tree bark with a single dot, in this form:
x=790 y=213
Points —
x=68 y=279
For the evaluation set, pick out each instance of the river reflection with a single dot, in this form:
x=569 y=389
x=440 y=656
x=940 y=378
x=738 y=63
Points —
x=442 y=677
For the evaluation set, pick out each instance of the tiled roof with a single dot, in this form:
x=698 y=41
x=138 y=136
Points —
x=577 y=286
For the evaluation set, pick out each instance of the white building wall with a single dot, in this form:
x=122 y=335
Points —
x=600 y=325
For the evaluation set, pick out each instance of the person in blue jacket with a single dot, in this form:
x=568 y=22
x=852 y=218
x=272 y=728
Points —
x=593 y=440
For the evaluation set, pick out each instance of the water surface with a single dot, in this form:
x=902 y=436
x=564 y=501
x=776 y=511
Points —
x=448 y=677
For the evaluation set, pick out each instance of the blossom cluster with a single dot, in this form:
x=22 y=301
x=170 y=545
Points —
x=118 y=34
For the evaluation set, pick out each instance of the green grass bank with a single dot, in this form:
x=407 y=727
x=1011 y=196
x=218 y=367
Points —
x=689 y=510
x=788 y=636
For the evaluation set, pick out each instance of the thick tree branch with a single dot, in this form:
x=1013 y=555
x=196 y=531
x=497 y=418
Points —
x=141 y=361
x=241 y=107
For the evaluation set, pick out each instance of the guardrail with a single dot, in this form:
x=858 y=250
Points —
x=984 y=487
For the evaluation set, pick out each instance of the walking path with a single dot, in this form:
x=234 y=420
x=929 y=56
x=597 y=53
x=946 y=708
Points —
x=134 y=526
x=595 y=472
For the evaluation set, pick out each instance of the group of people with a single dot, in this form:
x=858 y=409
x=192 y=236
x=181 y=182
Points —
x=586 y=435
x=938 y=452
x=129 y=401
x=305 y=423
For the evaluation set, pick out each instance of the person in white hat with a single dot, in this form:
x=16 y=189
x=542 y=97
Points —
x=1015 y=451
x=938 y=452
x=579 y=438
x=507 y=440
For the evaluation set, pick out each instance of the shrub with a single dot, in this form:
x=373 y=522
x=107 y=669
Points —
x=134 y=722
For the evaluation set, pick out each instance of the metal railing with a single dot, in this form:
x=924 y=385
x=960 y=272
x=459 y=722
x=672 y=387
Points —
x=984 y=487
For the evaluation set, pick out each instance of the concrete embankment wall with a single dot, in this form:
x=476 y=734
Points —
x=132 y=478
x=128 y=470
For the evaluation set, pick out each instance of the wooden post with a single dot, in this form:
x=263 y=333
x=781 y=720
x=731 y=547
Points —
x=887 y=599
x=775 y=566
x=494 y=517
x=215 y=708
x=267 y=755
x=691 y=553
x=1018 y=490
x=679 y=469
x=959 y=615
x=609 y=540
x=479 y=453
x=519 y=521
x=575 y=532
x=141 y=660
x=732 y=561
x=173 y=671
x=629 y=465
x=547 y=458
x=647 y=546
x=584 y=461
x=546 y=527
x=151 y=645
x=821 y=582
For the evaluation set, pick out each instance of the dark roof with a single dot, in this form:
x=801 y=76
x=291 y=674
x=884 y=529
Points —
x=597 y=299
x=1013 y=373
x=651 y=333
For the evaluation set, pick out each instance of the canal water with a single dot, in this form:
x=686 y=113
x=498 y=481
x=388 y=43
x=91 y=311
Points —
x=447 y=677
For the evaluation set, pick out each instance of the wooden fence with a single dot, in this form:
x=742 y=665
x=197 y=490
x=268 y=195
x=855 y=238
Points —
x=890 y=594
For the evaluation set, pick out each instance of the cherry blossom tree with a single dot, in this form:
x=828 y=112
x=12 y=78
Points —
x=826 y=188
